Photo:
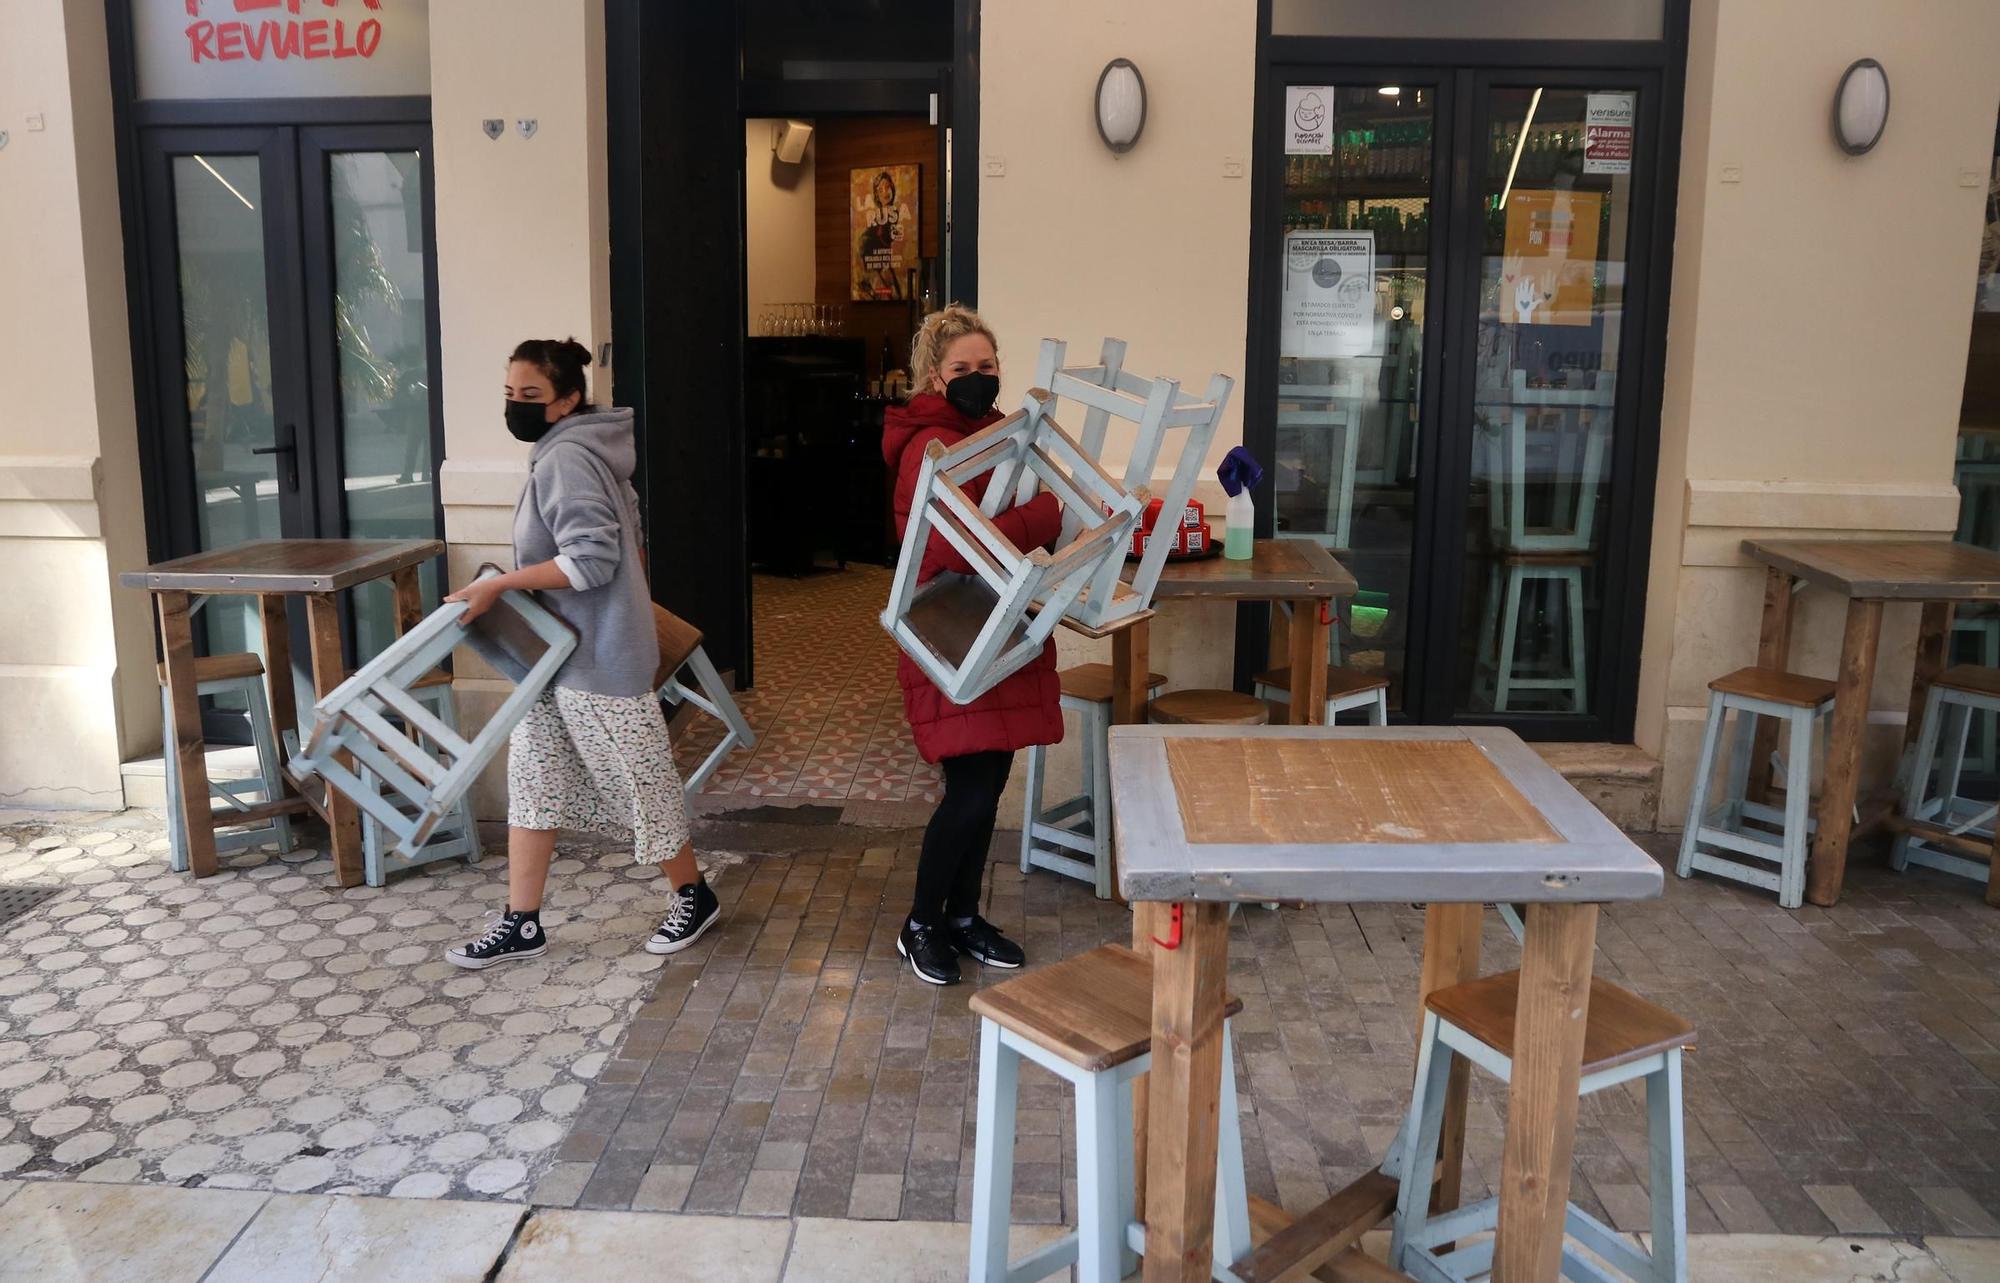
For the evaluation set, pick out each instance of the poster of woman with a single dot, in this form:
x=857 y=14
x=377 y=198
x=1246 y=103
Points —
x=883 y=228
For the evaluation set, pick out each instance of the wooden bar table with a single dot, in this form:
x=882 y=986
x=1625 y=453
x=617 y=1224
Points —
x=1869 y=573
x=273 y=570
x=1296 y=571
x=1454 y=817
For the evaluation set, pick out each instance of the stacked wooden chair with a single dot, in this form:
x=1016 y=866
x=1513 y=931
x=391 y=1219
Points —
x=970 y=632
x=1942 y=827
x=375 y=722
x=456 y=835
x=688 y=677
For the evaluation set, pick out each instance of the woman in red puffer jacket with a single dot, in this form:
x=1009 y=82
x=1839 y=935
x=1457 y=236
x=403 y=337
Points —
x=955 y=374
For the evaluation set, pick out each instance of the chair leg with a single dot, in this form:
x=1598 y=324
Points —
x=1510 y=629
x=177 y=856
x=1100 y=1234
x=993 y=1157
x=1232 y=1196
x=1489 y=629
x=1098 y=724
x=447 y=712
x=1741 y=749
x=1955 y=730
x=1413 y=1193
x=1668 y=1175
x=1917 y=786
x=1798 y=810
x=1378 y=712
x=1032 y=812
x=266 y=741
x=1128 y=1185
x=1579 y=665
x=1698 y=800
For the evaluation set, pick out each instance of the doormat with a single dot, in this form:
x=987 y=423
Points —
x=17 y=900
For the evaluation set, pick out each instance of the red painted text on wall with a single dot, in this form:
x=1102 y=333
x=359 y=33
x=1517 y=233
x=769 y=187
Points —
x=281 y=38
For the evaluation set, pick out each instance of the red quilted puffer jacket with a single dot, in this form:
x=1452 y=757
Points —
x=1023 y=709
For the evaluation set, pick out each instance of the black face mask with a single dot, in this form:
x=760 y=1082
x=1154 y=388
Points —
x=528 y=420
x=973 y=395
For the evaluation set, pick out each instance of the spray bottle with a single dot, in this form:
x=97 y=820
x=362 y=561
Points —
x=1239 y=472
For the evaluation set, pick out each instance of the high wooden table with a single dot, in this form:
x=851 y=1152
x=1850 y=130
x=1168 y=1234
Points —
x=273 y=570
x=1453 y=817
x=1297 y=571
x=1869 y=573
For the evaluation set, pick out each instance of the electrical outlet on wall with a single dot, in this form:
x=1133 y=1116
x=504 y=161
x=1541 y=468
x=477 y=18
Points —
x=37 y=122
x=994 y=167
x=1232 y=167
x=1732 y=173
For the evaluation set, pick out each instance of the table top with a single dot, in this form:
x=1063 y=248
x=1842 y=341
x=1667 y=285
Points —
x=1278 y=570
x=1362 y=814
x=1890 y=569
x=285 y=565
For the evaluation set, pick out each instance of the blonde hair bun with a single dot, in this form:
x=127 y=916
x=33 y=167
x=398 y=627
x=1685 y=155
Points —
x=939 y=331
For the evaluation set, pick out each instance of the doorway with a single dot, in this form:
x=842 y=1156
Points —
x=293 y=323
x=1451 y=355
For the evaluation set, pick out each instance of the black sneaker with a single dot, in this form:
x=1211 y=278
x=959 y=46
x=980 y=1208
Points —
x=511 y=937
x=982 y=942
x=694 y=910
x=931 y=953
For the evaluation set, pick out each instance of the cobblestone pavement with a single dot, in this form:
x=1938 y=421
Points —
x=1847 y=1078
x=265 y=1029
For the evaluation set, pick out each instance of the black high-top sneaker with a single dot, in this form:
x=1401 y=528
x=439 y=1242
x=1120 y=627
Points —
x=511 y=937
x=694 y=910
x=982 y=942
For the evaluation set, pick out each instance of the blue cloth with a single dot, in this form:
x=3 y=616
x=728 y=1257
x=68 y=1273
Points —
x=1239 y=471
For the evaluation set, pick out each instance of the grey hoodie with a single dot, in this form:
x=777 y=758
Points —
x=579 y=510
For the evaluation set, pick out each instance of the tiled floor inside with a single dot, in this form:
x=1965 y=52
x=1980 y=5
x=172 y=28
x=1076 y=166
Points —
x=826 y=709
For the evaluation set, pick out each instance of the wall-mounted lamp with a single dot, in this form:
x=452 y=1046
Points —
x=1861 y=106
x=1121 y=105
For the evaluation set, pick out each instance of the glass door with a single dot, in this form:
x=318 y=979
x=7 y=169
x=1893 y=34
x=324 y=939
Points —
x=291 y=302
x=1449 y=341
x=1354 y=303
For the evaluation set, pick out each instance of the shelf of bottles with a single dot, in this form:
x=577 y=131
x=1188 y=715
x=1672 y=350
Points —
x=1376 y=179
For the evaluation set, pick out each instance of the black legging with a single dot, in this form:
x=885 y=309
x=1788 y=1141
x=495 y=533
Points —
x=953 y=862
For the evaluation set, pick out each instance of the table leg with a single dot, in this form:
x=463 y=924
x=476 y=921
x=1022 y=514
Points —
x=1146 y=923
x=1131 y=664
x=189 y=750
x=276 y=621
x=1184 y=1097
x=1933 y=652
x=1308 y=660
x=329 y=667
x=1451 y=956
x=1774 y=648
x=1828 y=866
x=1549 y=1021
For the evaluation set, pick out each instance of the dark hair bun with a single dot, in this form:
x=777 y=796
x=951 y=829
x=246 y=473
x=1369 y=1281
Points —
x=575 y=349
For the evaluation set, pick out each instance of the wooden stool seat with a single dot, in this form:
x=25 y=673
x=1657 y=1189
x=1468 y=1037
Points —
x=220 y=668
x=1094 y=1010
x=1621 y=1026
x=1774 y=686
x=1092 y=682
x=1974 y=679
x=1339 y=681
x=1210 y=708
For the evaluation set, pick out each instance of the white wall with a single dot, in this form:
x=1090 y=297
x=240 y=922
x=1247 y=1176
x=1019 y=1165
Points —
x=1821 y=310
x=778 y=213
x=523 y=237
x=77 y=688
x=1078 y=243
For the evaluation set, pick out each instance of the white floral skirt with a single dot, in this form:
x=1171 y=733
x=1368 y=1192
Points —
x=598 y=764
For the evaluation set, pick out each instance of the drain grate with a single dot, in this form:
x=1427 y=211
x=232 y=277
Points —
x=17 y=900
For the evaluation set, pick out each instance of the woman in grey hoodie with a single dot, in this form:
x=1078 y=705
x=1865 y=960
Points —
x=592 y=753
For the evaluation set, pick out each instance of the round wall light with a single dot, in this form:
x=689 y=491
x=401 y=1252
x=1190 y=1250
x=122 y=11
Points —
x=1121 y=105
x=1861 y=106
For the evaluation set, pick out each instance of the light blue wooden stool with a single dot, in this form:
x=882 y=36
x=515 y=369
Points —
x=1975 y=639
x=1347 y=689
x=1625 y=1037
x=243 y=677
x=1801 y=703
x=1081 y=824
x=1088 y=1020
x=1937 y=814
x=456 y=836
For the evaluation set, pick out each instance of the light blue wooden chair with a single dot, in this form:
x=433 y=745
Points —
x=1073 y=837
x=1625 y=1038
x=1347 y=690
x=456 y=836
x=1088 y=1020
x=1940 y=818
x=1716 y=834
x=240 y=676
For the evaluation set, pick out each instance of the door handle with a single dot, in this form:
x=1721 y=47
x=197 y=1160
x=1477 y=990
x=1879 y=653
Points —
x=285 y=442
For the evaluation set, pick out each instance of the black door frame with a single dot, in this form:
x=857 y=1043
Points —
x=1463 y=70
